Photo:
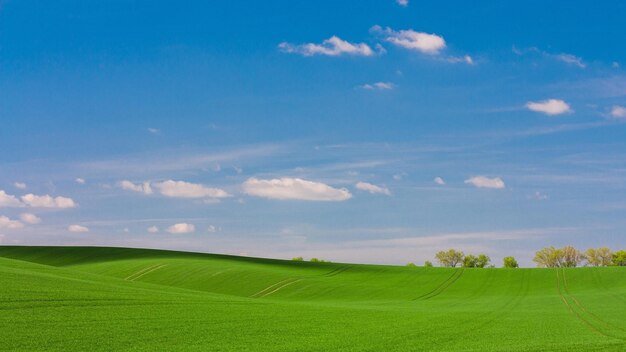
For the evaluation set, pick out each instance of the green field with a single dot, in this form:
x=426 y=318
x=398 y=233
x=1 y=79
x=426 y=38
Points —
x=104 y=299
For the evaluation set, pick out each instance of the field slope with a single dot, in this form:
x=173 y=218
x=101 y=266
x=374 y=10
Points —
x=105 y=299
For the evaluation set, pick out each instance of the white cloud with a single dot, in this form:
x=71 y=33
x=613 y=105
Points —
x=287 y=188
x=486 y=182
x=571 y=59
x=181 y=228
x=181 y=189
x=20 y=185
x=140 y=187
x=378 y=86
x=77 y=228
x=80 y=181
x=550 y=107
x=618 y=112
x=403 y=3
x=6 y=223
x=364 y=186
x=440 y=181
x=566 y=58
x=30 y=218
x=425 y=43
x=333 y=46
x=47 y=201
x=213 y=229
x=7 y=200
x=152 y=229
x=461 y=59
x=154 y=130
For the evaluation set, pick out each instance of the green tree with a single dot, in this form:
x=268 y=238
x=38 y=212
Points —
x=482 y=261
x=510 y=262
x=297 y=259
x=470 y=261
x=599 y=257
x=411 y=265
x=548 y=257
x=619 y=258
x=571 y=257
x=449 y=258
x=566 y=257
x=428 y=264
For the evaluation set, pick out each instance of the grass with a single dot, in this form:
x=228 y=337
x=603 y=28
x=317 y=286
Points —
x=104 y=299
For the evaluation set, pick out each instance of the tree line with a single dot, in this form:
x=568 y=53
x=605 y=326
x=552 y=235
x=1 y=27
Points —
x=549 y=257
x=569 y=257
x=452 y=258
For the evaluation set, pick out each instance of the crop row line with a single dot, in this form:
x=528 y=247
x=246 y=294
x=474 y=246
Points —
x=576 y=308
x=442 y=287
x=261 y=293
x=131 y=276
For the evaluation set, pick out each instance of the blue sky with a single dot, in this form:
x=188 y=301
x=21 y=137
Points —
x=370 y=131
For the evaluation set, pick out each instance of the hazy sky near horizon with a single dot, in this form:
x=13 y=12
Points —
x=369 y=131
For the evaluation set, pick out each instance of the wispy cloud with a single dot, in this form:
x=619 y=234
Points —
x=181 y=228
x=547 y=130
x=403 y=3
x=571 y=60
x=460 y=59
x=550 y=107
x=371 y=188
x=333 y=46
x=167 y=161
x=77 y=228
x=182 y=189
x=287 y=188
x=144 y=187
x=378 y=86
x=426 y=43
x=175 y=189
x=486 y=182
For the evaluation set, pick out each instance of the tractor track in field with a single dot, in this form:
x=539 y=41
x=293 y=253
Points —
x=589 y=313
x=491 y=316
x=443 y=286
x=148 y=272
x=577 y=310
x=275 y=287
x=280 y=288
x=337 y=271
x=141 y=272
x=585 y=309
x=292 y=280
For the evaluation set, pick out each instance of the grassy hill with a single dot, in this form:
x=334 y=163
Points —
x=104 y=299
